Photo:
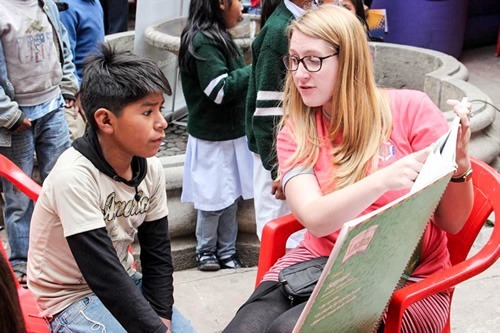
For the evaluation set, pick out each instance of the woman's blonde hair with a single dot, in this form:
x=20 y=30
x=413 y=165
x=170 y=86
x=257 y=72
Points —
x=360 y=113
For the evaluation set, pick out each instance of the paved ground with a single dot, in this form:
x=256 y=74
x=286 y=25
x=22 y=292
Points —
x=210 y=299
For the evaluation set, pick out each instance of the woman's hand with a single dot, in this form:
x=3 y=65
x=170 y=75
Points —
x=402 y=173
x=463 y=110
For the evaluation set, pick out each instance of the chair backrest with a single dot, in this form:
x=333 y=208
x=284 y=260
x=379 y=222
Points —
x=486 y=193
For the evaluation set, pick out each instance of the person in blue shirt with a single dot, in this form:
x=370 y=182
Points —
x=84 y=21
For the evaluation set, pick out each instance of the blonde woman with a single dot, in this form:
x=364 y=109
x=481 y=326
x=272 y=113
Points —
x=347 y=147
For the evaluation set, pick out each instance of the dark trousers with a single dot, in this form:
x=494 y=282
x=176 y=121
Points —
x=271 y=313
x=115 y=16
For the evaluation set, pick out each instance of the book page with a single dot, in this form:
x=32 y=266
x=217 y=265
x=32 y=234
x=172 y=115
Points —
x=441 y=159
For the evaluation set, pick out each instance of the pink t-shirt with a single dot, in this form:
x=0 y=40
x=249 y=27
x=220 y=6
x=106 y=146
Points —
x=417 y=123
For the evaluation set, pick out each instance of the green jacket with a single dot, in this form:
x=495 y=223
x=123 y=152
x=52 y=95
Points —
x=215 y=89
x=265 y=91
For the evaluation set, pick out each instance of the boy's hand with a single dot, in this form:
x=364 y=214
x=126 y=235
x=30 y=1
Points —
x=26 y=124
x=77 y=109
x=277 y=190
x=167 y=323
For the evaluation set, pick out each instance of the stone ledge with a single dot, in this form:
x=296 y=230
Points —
x=184 y=249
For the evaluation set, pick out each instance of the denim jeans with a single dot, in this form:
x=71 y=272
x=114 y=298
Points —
x=48 y=137
x=90 y=315
x=216 y=231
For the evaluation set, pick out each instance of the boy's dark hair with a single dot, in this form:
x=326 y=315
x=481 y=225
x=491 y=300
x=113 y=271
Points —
x=205 y=16
x=113 y=79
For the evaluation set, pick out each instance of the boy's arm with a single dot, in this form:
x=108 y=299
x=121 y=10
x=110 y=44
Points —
x=11 y=117
x=10 y=114
x=97 y=260
x=157 y=268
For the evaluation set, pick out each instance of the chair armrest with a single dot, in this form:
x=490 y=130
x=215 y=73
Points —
x=273 y=243
x=441 y=281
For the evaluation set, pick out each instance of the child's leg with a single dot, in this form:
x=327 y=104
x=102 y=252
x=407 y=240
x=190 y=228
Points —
x=18 y=207
x=227 y=233
x=51 y=140
x=206 y=236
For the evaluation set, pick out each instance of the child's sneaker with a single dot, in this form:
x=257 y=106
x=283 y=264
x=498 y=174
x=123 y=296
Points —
x=207 y=261
x=230 y=262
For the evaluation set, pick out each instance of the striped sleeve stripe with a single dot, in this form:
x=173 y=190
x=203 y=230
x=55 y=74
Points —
x=209 y=90
x=270 y=95
x=268 y=103
x=276 y=111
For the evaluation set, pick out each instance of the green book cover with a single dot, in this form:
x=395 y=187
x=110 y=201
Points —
x=372 y=252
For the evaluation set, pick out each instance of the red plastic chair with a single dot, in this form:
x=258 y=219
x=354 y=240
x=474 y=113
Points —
x=33 y=321
x=486 y=200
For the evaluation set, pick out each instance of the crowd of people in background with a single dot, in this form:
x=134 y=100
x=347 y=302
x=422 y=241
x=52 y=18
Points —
x=72 y=104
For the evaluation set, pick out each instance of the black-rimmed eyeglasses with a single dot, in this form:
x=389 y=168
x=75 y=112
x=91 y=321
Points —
x=311 y=63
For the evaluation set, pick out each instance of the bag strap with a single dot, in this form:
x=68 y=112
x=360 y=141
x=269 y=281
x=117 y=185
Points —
x=261 y=294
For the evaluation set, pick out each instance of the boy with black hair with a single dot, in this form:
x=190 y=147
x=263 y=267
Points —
x=103 y=191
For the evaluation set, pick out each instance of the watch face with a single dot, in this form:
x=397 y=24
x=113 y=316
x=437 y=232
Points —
x=468 y=176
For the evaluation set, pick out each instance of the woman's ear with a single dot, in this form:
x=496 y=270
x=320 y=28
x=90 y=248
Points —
x=103 y=118
x=221 y=4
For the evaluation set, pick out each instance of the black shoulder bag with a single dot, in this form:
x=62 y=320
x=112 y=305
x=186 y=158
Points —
x=296 y=281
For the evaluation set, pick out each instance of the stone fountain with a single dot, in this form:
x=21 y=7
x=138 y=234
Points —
x=439 y=75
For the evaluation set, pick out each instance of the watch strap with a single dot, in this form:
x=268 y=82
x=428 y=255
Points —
x=464 y=177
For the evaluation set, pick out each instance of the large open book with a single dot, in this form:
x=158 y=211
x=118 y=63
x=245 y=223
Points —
x=372 y=251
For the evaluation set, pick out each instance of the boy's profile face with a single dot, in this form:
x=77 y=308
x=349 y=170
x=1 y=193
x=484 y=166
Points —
x=140 y=128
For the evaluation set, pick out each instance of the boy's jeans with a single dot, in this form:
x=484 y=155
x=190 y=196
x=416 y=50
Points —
x=90 y=315
x=49 y=138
